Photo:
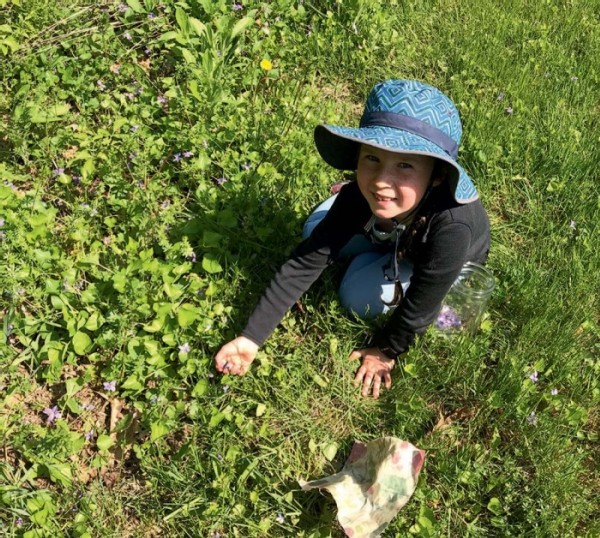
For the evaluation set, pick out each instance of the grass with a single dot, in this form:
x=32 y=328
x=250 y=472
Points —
x=130 y=252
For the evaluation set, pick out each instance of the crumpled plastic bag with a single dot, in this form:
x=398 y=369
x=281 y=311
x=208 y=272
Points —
x=376 y=481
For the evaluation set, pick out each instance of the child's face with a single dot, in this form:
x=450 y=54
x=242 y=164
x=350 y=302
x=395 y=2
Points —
x=392 y=183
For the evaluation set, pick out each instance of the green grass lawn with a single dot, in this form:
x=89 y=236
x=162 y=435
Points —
x=153 y=176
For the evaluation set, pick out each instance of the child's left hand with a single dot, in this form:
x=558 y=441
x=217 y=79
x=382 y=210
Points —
x=375 y=368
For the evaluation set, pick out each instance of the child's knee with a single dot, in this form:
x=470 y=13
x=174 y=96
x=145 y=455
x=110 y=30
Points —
x=363 y=287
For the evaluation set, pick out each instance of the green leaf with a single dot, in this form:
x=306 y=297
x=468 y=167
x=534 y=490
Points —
x=198 y=26
x=154 y=326
x=193 y=87
x=169 y=36
x=136 y=6
x=94 y=322
x=330 y=450
x=104 y=442
x=241 y=25
x=188 y=56
x=410 y=369
x=260 y=409
x=60 y=472
x=73 y=385
x=187 y=314
x=81 y=343
x=495 y=506
x=158 y=429
x=210 y=265
x=201 y=388
x=132 y=383
x=47 y=114
x=182 y=20
x=320 y=381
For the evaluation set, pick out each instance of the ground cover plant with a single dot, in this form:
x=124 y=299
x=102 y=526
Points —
x=156 y=166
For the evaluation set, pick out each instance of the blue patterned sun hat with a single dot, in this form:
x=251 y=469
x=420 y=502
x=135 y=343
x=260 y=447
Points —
x=403 y=116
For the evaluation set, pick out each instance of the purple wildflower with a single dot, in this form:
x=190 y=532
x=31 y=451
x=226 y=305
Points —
x=534 y=377
x=127 y=36
x=192 y=257
x=147 y=52
x=219 y=181
x=508 y=110
x=151 y=16
x=76 y=179
x=88 y=407
x=225 y=389
x=132 y=155
x=134 y=128
x=123 y=8
x=573 y=225
x=447 y=319
x=101 y=85
x=188 y=154
x=532 y=419
x=554 y=392
x=154 y=399
x=130 y=96
x=185 y=348
x=19 y=522
x=110 y=386
x=89 y=435
x=211 y=376
x=177 y=157
x=237 y=7
x=280 y=518
x=139 y=90
x=246 y=166
x=161 y=100
x=52 y=414
x=58 y=171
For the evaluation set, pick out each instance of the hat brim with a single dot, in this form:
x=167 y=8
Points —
x=339 y=147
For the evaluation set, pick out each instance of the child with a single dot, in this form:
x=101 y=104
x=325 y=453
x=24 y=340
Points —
x=409 y=222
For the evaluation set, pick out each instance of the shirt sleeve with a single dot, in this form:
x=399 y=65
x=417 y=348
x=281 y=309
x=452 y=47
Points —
x=306 y=263
x=437 y=263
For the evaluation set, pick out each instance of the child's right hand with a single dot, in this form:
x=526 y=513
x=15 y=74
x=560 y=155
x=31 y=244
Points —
x=236 y=356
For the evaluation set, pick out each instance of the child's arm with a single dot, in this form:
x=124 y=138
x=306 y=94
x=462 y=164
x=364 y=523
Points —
x=299 y=272
x=453 y=239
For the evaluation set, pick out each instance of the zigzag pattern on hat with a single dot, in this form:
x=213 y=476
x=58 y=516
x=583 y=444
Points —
x=416 y=100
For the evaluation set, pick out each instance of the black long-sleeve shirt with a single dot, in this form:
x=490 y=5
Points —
x=454 y=235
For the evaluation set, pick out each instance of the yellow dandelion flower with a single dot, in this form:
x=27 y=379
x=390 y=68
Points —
x=266 y=65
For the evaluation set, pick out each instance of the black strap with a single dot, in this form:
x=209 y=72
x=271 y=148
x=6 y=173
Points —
x=412 y=125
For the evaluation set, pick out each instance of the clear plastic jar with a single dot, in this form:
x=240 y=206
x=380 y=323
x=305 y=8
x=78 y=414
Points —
x=463 y=307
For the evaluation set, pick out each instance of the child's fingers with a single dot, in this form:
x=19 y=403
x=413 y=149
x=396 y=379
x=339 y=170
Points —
x=360 y=374
x=376 y=387
x=387 y=378
x=356 y=354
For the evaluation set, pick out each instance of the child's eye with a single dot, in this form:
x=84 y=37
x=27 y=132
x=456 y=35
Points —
x=404 y=165
x=372 y=158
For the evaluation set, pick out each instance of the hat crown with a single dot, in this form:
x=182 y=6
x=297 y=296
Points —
x=416 y=100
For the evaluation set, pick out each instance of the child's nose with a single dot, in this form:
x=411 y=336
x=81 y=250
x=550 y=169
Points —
x=384 y=177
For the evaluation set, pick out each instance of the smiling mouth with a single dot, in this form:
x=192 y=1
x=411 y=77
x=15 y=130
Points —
x=383 y=198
